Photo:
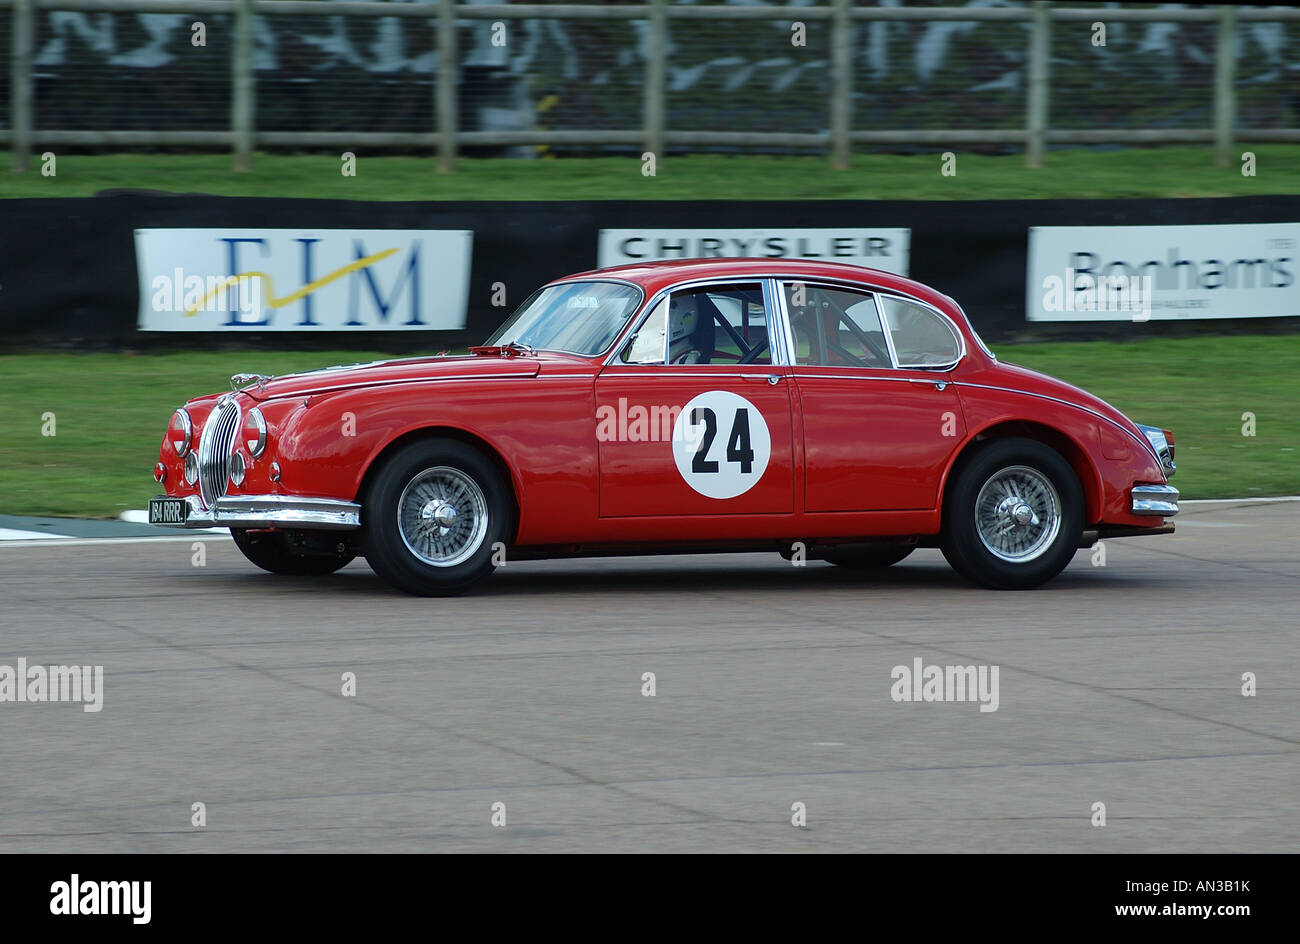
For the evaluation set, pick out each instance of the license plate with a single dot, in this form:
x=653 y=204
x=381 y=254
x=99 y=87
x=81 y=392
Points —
x=168 y=510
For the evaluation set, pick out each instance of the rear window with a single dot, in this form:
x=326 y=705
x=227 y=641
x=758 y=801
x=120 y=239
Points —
x=921 y=336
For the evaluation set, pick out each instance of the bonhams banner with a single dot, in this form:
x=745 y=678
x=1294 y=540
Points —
x=308 y=280
x=1139 y=273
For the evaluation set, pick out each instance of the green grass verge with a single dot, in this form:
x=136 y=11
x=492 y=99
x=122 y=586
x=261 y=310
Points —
x=110 y=411
x=1084 y=174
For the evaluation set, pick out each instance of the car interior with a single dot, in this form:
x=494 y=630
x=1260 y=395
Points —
x=835 y=328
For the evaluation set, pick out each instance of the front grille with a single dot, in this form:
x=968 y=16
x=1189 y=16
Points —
x=214 y=451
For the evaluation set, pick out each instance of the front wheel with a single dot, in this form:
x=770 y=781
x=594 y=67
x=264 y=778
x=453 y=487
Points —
x=1013 y=517
x=433 y=516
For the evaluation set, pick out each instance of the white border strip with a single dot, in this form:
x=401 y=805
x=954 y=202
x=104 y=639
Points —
x=1238 y=501
x=205 y=535
x=14 y=534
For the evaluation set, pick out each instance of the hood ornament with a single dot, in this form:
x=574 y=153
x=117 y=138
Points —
x=244 y=381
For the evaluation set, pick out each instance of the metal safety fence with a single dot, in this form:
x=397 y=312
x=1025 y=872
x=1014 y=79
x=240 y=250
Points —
x=819 y=76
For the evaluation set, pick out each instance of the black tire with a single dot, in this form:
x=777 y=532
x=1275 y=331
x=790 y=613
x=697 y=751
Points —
x=872 y=558
x=416 y=485
x=272 y=551
x=1016 y=472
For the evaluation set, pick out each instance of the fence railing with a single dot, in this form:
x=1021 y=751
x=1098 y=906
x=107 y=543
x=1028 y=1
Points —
x=837 y=135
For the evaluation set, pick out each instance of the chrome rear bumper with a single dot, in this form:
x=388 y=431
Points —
x=1155 y=500
x=271 y=511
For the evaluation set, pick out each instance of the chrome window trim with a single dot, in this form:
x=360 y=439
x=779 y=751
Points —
x=611 y=360
x=979 y=339
x=777 y=327
x=884 y=329
x=783 y=316
x=948 y=323
x=663 y=354
x=877 y=293
x=789 y=328
x=895 y=378
x=617 y=335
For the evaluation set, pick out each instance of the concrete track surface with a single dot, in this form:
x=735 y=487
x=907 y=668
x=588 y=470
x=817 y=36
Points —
x=1119 y=684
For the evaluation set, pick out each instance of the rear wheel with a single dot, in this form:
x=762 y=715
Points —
x=273 y=551
x=432 y=516
x=1013 y=516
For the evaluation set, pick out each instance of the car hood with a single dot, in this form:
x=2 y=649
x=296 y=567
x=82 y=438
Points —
x=378 y=373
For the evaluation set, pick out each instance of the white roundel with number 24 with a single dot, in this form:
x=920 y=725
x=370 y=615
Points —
x=721 y=444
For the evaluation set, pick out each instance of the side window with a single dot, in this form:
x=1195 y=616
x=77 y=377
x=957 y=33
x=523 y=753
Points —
x=718 y=324
x=921 y=337
x=714 y=324
x=646 y=346
x=835 y=327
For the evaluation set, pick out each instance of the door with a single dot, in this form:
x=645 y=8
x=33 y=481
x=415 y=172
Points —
x=877 y=435
x=693 y=413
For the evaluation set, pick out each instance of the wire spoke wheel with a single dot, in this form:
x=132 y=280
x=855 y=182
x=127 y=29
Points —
x=1017 y=514
x=442 y=516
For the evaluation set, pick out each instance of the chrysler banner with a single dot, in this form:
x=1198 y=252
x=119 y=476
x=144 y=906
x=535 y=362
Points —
x=1122 y=273
x=303 y=280
x=878 y=248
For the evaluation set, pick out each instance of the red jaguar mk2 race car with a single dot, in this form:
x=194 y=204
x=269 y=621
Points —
x=705 y=405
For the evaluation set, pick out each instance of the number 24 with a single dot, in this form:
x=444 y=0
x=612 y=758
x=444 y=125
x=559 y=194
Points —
x=739 y=449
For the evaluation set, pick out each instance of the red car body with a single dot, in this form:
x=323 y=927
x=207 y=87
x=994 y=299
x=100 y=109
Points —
x=858 y=454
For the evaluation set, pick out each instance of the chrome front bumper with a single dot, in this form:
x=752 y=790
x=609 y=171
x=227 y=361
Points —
x=271 y=511
x=1155 y=500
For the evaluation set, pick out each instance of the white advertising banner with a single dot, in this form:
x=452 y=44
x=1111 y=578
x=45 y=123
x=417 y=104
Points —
x=877 y=248
x=302 y=279
x=1139 y=273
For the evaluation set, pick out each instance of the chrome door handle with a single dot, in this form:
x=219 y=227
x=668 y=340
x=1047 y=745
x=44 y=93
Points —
x=938 y=384
x=773 y=379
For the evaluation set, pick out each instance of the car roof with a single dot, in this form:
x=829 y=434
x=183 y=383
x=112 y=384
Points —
x=655 y=276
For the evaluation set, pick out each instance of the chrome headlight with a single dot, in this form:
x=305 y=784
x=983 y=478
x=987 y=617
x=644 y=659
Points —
x=1162 y=443
x=180 y=432
x=254 y=432
x=191 y=468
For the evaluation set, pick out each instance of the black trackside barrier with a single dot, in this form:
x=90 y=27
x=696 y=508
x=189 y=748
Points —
x=68 y=271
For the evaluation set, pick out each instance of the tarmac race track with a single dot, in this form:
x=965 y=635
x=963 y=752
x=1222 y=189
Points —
x=1118 y=684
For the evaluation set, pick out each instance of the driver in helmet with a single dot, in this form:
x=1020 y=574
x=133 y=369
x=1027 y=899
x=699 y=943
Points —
x=684 y=319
